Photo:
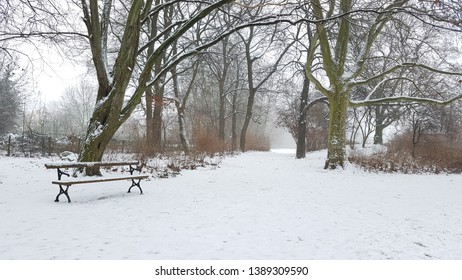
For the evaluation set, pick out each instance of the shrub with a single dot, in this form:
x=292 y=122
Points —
x=316 y=139
x=434 y=153
x=207 y=142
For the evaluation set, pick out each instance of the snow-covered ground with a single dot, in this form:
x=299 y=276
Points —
x=253 y=206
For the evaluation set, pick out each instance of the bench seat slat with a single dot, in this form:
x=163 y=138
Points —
x=55 y=165
x=97 y=179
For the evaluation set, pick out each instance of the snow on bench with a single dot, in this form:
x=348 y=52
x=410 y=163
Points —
x=136 y=179
x=66 y=164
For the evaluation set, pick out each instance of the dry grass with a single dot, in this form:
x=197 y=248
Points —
x=433 y=154
x=208 y=143
x=257 y=142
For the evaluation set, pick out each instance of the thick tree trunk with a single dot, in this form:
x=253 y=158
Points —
x=301 y=122
x=98 y=136
x=336 y=153
x=107 y=116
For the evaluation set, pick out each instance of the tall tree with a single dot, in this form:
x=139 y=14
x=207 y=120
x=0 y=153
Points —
x=345 y=71
x=111 y=109
x=181 y=94
x=256 y=45
x=220 y=67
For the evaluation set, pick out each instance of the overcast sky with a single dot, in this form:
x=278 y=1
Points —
x=52 y=72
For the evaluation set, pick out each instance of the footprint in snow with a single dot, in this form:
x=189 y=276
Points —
x=420 y=244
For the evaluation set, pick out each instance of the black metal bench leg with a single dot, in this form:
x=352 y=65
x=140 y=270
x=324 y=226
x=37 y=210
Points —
x=62 y=191
x=136 y=184
x=61 y=173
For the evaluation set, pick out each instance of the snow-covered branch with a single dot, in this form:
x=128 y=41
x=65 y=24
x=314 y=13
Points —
x=401 y=66
x=399 y=100
x=323 y=99
x=166 y=30
x=144 y=80
x=381 y=83
x=6 y=36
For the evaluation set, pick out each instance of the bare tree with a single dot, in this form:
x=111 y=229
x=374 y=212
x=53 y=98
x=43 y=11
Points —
x=77 y=104
x=345 y=71
x=220 y=67
x=256 y=45
x=182 y=94
x=111 y=109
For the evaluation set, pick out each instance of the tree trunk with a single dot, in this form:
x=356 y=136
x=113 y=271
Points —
x=378 y=136
x=107 y=116
x=221 y=111
x=248 y=117
x=98 y=137
x=149 y=121
x=336 y=151
x=157 y=119
x=150 y=132
x=379 y=126
x=234 y=110
x=234 y=123
x=221 y=87
x=183 y=139
x=159 y=88
x=301 y=122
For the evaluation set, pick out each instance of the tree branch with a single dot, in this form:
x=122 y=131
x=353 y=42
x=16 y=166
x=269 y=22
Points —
x=401 y=66
x=323 y=99
x=397 y=100
x=146 y=73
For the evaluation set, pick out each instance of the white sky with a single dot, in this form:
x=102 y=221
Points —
x=52 y=72
x=56 y=77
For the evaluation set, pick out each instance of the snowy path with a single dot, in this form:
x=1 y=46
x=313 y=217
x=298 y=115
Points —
x=255 y=206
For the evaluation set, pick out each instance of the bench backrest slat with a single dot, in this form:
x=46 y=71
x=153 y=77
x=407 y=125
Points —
x=56 y=165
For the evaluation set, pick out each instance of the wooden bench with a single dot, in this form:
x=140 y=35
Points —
x=134 y=166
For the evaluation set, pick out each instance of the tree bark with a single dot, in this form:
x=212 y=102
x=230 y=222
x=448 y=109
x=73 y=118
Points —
x=99 y=135
x=183 y=139
x=149 y=121
x=301 y=122
x=248 y=117
x=379 y=126
x=150 y=131
x=336 y=154
x=221 y=87
x=221 y=109
x=234 y=122
x=157 y=118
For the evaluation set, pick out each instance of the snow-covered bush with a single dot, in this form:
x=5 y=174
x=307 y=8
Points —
x=68 y=156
